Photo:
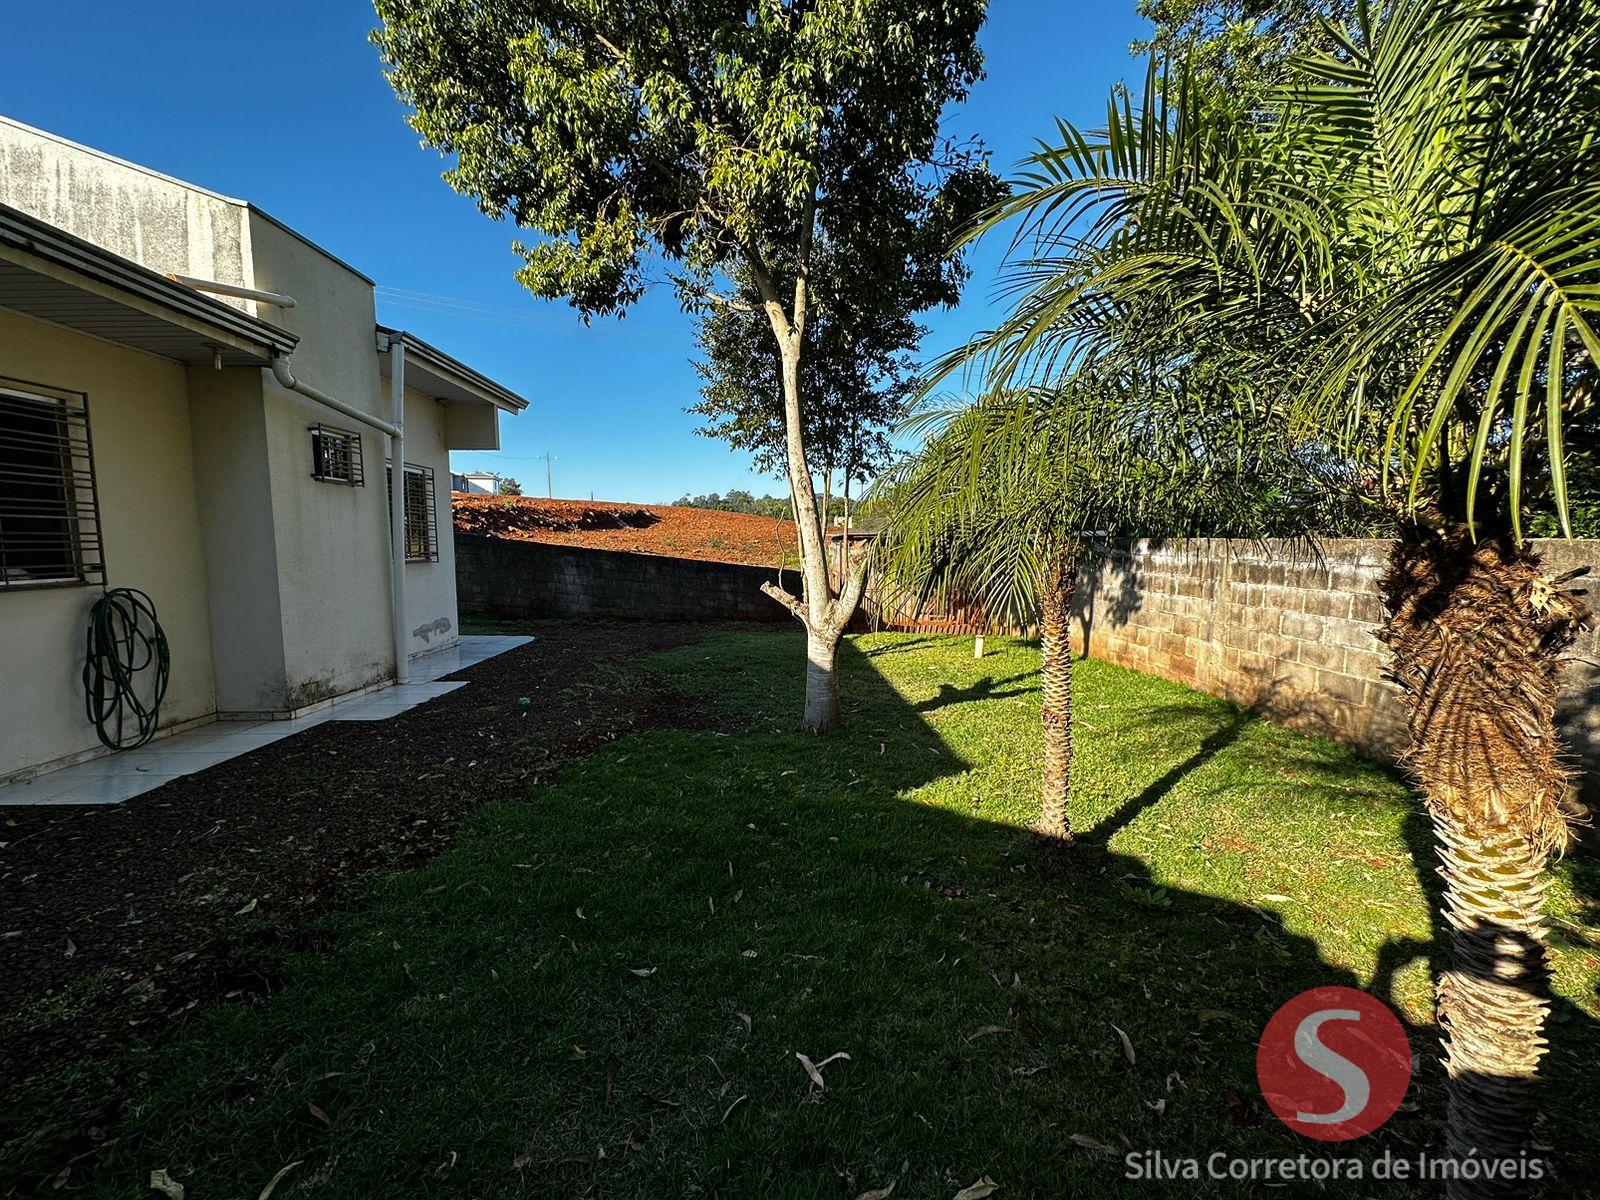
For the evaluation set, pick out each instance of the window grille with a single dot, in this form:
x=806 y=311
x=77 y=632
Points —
x=336 y=456
x=49 y=516
x=422 y=536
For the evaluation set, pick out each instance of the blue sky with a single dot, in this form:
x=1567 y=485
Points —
x=284 y=104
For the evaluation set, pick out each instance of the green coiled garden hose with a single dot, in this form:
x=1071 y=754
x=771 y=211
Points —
x=125 y=674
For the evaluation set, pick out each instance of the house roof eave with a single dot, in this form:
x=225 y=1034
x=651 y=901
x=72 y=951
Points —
x=443 y=377
x=54 y=276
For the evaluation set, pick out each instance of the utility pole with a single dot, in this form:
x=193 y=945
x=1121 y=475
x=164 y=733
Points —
x=549 y=476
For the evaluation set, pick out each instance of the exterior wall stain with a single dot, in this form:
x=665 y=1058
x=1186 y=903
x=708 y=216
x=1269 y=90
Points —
x=426 y=632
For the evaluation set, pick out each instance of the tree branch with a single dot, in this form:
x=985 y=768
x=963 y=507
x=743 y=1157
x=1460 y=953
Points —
x=802 y=278
x=850 y=597
x=788 y=601
x=724 y=301
x=782 y=327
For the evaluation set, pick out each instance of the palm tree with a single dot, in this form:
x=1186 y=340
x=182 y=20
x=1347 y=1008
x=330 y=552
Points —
x=1011 y=496
x=1401 y=254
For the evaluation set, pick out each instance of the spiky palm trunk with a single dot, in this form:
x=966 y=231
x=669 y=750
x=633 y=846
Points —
x=1053 y=832
x=1478 y=636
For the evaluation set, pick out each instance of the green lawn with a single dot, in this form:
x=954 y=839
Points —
x=602 y=990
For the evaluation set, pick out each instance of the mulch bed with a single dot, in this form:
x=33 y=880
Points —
x=114 y=920
x=699 y=533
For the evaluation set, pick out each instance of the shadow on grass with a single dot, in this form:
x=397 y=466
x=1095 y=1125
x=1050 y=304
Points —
x=604 y=989
x=1219 y=739
x=987 y=688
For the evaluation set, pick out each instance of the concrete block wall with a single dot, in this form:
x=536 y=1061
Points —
x=1290 y=633
x=530 y=580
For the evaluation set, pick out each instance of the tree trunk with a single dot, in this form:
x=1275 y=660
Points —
x=822 y=680
x=1478 y=637
x=1053 y=832
x=824 y=614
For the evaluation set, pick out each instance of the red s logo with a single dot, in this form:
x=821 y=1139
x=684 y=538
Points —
x=1334 y=1063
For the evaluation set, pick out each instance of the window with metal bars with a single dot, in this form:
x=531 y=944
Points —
x=49 y=516
x=422 y=536
x=336 y=456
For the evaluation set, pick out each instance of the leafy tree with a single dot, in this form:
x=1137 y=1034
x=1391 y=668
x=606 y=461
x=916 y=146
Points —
x=1009 y=498
x=1240 y=47
x=714 y=139
x=1404 y=245
x=508 y=486
x=859 y=372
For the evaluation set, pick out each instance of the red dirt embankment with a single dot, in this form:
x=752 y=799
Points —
x=641 y=528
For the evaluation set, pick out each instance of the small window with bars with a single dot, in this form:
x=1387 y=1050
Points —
x=336 y=456
x=49 y=516
x=422 y=531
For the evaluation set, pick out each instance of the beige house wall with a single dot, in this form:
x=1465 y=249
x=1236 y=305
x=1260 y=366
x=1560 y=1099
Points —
x=277 y=585
x=234 y=490
x=431 y=619
x=158 y=222
x=331 y=540
x=150 y=529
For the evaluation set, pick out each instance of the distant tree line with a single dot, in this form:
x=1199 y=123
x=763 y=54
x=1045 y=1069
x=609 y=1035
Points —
x=740 y=502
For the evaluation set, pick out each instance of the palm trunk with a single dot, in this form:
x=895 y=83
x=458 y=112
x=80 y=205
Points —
x=1478 y=636
x=1053 y=832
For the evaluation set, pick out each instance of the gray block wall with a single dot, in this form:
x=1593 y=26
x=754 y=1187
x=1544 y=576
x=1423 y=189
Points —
x=1290 y=634
x=529 y=580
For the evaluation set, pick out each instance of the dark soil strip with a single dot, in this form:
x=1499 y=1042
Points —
x=116 y=919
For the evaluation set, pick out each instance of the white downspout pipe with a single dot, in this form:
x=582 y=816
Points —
x=285 y=376
x=397 y=494
x=277 y=299
x=397 y=509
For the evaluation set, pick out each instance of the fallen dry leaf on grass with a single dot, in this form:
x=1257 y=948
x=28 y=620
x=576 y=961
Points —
x=815 y=1069
x=879 y=1193
x=161 y=1182
x=986 y=1030
x=276 y=1179
x=977 y=1191
x=728 y=1112
x=642 y=972
x=1127 y=1045
x=1093 y=1143
x=318 y=1114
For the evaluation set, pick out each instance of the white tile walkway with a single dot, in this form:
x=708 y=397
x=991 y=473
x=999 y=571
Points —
x=113 y=778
